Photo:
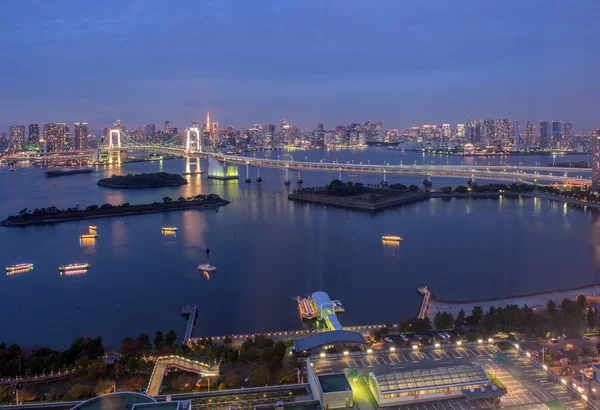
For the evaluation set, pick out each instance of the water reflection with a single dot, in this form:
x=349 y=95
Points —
x=78 y=272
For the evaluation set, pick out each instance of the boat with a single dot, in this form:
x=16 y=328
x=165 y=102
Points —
x=74 y=267
x=391 y=238
x=19 y=267
x=168 y=229
x=206 y=267
x=306 y=307
x=88 y=236
x=92 y=228
x=63 y=172
x=338 y=307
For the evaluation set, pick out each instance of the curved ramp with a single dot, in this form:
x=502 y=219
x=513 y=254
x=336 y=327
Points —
x=188 y=365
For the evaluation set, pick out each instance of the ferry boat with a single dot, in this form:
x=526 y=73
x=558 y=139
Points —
x=391 y=238
x=338 y=307
x=306 y=307
x=169 y=229
x=206 y=267
x=19 y=267
x=92 y=228
x=74 y=267
x=88 y=236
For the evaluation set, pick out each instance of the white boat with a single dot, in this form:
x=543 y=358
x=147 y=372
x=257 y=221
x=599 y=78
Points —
x=20 y=267
x=74 y=267
x=205 y=267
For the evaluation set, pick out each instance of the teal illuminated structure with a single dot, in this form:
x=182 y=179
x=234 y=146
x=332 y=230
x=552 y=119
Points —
x=221 y=169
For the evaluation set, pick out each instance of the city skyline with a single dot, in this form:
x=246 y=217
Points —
x=404 y=65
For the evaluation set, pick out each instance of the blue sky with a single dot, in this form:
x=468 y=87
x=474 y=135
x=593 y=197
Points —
x=404 y=62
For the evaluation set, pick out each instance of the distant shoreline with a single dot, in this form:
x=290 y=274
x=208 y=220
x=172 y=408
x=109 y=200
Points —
x=210 y=203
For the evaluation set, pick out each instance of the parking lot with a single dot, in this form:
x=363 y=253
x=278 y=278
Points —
x=527 y=386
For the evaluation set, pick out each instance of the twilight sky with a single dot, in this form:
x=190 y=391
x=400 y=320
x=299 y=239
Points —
x=336 y=61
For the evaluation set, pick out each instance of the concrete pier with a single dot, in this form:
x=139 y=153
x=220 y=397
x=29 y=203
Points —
x=190 y=312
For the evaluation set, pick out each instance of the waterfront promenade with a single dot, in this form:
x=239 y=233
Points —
x=535 y=300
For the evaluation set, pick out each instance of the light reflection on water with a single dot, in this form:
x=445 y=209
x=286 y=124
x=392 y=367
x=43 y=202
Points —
x=268 y=250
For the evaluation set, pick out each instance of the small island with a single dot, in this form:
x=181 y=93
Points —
x=53 y=214
x=357 y=196
x=150 y=180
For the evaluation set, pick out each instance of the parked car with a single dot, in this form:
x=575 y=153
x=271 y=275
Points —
x=388 y=339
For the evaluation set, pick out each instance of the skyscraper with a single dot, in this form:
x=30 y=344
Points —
x=81 y=135
x=488 y=131
x=460 y=130
x=529 y=136
x=118 y=124
x=34 y=135
x=544 y=134
x=473 y=131
x=17 y=137
x=168 y=127
x=568 y=132
x=596 y=160
x=150 y=130
x=55 y=136
x=503 y=131
x=517 y=133
x=556 y=134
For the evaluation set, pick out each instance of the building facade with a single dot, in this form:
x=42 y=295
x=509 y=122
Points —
x=34 y=136
x=17 y=138
x=81 y=136
x=544 y=134
x=556 y=134
x=596 y=160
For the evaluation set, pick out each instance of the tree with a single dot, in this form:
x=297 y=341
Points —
x=461 y=189
x=170 y=338
x=261 y=376
x=460 y=319
x=3 y=390
x=181 y=199
x=143 y=341
x=222 y=386
x=159 y=339
x=80 y=390
x=227 y=340
x=551 y=306
x=581 y=301
x=233 y=381
x=167 y=200
x=104 y=386
x=133 y=365
x=96 y=368
x=443 y=320
x=132 y=384
x=477 y=313
x=413 y=188
x=591 y=318
x=446 y=189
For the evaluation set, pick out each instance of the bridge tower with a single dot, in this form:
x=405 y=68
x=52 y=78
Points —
x=193 y=144
x=114 y=150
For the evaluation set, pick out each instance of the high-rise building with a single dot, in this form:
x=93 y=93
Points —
x=460 y=130
x=556 y=134
x=473 y=132
x=34 y=135
x=215 y=131
x=517 y=133
x=17 y=138
x=150 y=130
x=168 y=129
x=596 y=160
x=81 y=135
x=544 y=134
x=196 y=124
x=55 y=136
x=488 y=131
x=446 y=130
x=529 y=137
x=568 y=132
x=118 y=124
x=503 y=126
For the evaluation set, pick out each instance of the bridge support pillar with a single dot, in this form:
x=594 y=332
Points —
x=287 y=176
x=189 y=161
x=384 y=177
x=340 y=176
x=299 y=178
x=258 y=178
x=248 y=180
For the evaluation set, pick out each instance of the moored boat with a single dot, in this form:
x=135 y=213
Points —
x=19 y=267
x=206 y=267
x=391 y=238
x=88 y=236
x=168 y=229
x=72 y=267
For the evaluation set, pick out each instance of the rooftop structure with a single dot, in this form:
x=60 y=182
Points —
x=426 y=384
x=115 y=401
x=335 y=337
